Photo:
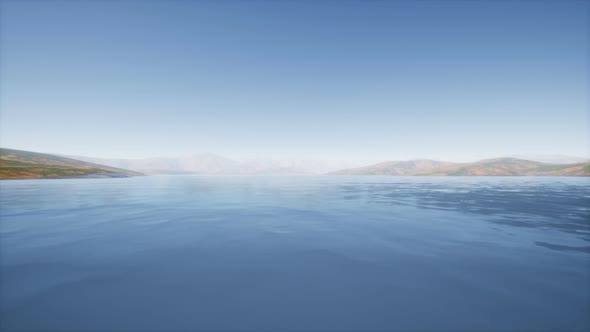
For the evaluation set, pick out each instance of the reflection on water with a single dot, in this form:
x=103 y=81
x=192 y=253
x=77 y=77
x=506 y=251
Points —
x=186 y=253
x=535 y=204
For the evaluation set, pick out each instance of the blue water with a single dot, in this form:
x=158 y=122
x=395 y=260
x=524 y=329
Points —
x=191 y=253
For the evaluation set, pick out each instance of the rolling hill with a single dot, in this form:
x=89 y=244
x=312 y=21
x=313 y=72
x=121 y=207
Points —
x=17 y=164
x=394 y=168
x=488 y=167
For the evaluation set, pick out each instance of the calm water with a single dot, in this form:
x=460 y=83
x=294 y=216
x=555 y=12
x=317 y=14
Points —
x=295 y=253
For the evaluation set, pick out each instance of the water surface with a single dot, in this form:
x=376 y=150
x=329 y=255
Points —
x=188 y=253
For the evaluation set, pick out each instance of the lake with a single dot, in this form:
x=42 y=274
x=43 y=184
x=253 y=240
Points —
x=325 y=253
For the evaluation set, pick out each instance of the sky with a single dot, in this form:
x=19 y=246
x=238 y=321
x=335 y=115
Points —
x=333 y=80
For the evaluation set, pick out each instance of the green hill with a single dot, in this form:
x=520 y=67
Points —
x=17 y=164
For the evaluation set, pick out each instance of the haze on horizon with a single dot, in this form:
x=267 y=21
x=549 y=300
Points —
x=362 y=81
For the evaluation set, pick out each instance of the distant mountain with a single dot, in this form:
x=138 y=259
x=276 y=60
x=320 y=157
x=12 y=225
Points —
x=409 y=167
x=489 y=167
x=208 y=163
x=552 y=158
x=25 y=164
x=510 y=167
x=288 y=166
x=17 y=164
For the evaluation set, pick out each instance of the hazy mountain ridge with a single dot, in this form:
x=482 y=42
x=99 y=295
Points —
x=487 y=167
x=209 y=163
x=25 y=164
x=18 y=164
x=408 y=167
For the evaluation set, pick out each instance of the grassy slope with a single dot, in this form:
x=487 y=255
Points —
x=17 y=164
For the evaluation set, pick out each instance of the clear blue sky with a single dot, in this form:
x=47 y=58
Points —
x=350 y=80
